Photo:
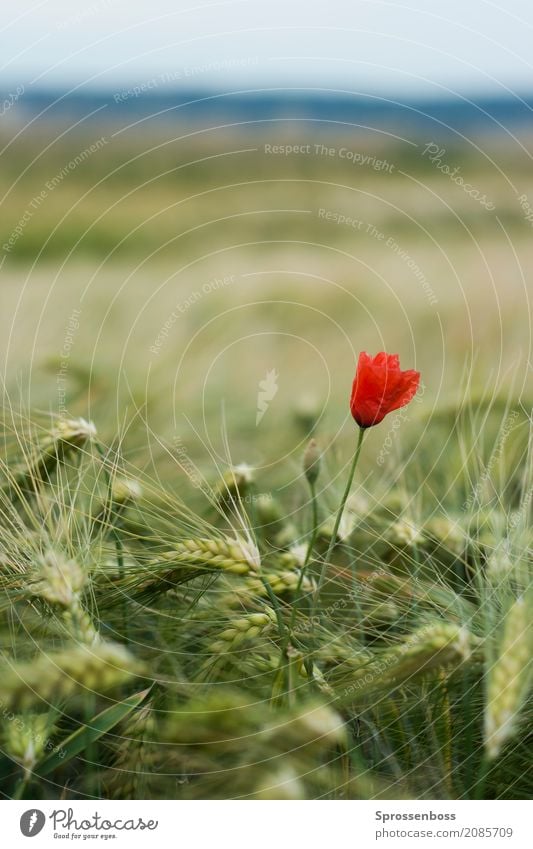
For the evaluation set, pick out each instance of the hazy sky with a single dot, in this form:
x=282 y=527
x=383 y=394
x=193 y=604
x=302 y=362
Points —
x=418 y=46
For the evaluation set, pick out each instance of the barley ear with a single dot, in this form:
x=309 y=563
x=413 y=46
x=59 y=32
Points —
x=509 y=679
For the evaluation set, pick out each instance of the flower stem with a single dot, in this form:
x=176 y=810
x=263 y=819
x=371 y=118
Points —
x=338 y=518
x=314 y=507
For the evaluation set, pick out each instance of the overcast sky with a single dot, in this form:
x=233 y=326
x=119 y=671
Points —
x=420 y=47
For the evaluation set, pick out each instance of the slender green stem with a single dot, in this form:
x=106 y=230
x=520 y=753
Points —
x=283 y=660
x=310 y=547
x=314 y=532
x=342 y=505
x=22 y=784
x=111 y=516
x=275 y=604
x=480 y=785
x=309 y=552
x=332 y=542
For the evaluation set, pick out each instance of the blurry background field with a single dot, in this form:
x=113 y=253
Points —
x=157 y=280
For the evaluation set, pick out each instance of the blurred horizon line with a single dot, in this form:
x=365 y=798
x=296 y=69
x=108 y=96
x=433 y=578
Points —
x=494 y=113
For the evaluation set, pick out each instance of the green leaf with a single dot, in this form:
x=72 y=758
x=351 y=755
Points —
x=88 y=733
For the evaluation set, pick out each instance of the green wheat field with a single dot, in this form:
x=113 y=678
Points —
x=181 y=314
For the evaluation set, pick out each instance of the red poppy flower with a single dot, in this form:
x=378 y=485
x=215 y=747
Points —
x=380 y=387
